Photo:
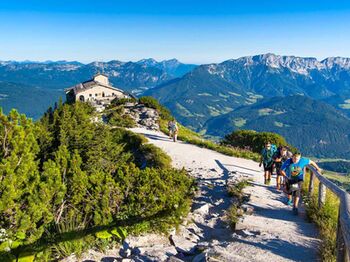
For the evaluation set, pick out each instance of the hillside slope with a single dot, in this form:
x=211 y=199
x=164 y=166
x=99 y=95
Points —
x=34 y=101
x=313 y=126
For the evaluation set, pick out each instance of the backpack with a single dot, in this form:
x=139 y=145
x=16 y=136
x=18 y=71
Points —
x=268 y=154
x=173 y=127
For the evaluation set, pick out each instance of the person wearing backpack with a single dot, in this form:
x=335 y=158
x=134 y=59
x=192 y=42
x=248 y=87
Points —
x=267 y=160
x=293 y=170
x=173 y=129
x=281 y=155
x=170 y=125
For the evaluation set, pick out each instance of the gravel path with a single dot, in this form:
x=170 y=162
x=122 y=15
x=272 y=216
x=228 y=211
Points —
x=270 y=233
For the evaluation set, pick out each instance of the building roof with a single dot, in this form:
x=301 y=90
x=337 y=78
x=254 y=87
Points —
x=88 y=85
x=92 y=83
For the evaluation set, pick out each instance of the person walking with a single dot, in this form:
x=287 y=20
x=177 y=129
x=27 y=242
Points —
x=293 y=170
x=173 y=129
x=267 y=160
x=281 y=155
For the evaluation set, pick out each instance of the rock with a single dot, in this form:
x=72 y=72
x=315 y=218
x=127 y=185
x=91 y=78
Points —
x=203 y=210
x=158 y=252
x=183 y=245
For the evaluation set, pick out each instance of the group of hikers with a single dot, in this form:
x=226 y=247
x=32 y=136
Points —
x=290 y=168
x=173 y=129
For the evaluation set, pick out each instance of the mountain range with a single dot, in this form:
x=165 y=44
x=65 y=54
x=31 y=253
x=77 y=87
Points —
x=22 y=83
x=215 y=89
x=129 y=76
x=263 y=92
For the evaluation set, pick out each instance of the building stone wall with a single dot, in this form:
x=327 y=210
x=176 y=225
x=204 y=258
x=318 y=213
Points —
x=99 y=93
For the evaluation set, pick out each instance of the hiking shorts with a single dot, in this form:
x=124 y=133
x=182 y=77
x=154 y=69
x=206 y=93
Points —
x=291 y=190
x=268 y=168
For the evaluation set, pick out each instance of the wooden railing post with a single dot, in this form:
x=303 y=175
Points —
x=321 y=194
x=311 y=183
x=343 y=229
x=341 y=249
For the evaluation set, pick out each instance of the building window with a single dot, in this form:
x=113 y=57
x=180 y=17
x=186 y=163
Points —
x=90 y=95
x=113 y=94
x=81 y=98
x=103 y=94
x=96 y=94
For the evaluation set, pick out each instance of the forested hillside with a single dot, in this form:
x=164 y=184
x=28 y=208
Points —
x=314 y=127
x=69 y=183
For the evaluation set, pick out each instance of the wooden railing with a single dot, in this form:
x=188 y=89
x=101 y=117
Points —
x=343 y=230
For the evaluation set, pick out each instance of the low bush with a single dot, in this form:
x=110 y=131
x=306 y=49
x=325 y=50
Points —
x=236 y=190
x=233 y=214
x=122 y=101
x=253 y=140
x=154 y=157
x=325 y=218
x=116 y=117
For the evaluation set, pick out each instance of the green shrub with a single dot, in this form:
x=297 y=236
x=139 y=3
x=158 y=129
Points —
x=253 y=140
x=233 y=214
x=121 y=101
x=236 y=190
x=151 y=191
x=121 y=120
x=154 y=156
x=325 y=218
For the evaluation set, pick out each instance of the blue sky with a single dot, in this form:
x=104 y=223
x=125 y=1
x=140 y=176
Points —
x=192 y=31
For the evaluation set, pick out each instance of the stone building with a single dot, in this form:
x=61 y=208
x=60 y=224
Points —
x=98 y=91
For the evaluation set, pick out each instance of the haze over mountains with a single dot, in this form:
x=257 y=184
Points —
x=215 y=99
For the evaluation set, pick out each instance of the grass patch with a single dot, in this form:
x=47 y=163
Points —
x=326 y=218
x=236 y=190
x=233 y=214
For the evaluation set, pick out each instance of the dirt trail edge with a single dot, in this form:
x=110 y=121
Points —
x=270 y=233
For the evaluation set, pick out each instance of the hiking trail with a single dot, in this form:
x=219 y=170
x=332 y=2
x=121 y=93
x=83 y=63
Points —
x=270 y=233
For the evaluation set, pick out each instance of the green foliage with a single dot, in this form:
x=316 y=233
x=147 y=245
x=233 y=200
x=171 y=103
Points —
x=151 y=102
x=119 y=232
x=122 y=101
x=149 y=192
x=103 y=234
x=253 y=140
x=116 y=117
x=155 y=157
x=233 y=214
x=20 y=210
x=26 y=257
x=66 y=175
x=325 y=218
x=236 y=190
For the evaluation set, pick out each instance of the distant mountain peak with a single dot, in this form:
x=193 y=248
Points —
x=147 y=62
